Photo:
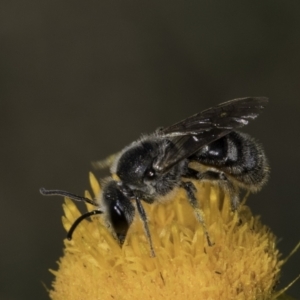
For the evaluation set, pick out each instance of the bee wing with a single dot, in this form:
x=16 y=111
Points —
x=189 y=135
x=228 y=115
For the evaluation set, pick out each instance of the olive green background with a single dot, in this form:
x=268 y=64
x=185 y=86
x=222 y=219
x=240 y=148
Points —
x=81 y=79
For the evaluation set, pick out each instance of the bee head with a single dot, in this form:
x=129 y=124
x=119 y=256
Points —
x=119 y=211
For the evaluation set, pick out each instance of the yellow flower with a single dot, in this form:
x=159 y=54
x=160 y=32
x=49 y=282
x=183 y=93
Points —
x=243 y=262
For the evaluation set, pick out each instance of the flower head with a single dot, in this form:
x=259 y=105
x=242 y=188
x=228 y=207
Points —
x=243 y=262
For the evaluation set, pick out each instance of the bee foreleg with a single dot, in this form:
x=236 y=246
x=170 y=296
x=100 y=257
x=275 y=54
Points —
x=143 y=216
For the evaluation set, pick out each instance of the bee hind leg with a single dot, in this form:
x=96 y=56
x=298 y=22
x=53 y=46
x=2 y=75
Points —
x=219 y=178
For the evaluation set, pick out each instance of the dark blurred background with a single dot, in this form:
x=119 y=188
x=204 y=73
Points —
x=81 y=79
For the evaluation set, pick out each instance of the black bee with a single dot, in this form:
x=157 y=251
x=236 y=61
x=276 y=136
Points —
x=153 y=167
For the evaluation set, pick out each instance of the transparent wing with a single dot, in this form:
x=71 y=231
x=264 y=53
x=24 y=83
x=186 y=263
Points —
x=105 y=163
x=189 y=135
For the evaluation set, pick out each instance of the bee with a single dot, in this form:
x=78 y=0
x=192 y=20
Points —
x=152 y=168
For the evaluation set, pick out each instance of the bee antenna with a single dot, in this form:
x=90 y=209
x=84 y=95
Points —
x=81 y=218
x=45 y=192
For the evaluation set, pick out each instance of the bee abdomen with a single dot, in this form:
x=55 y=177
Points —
x=239 y=156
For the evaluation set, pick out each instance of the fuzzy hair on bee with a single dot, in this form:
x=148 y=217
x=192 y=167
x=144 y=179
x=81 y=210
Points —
x=203 y=147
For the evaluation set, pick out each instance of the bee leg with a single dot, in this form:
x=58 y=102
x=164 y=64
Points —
x=190 y=190
x=221 y=179
x=233 y=192
x=143 y=216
